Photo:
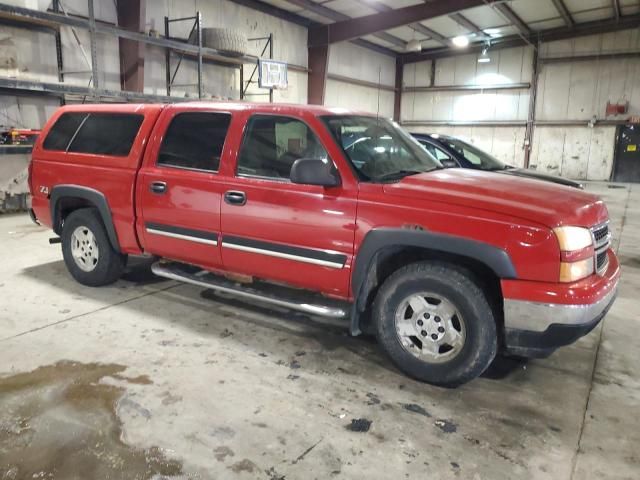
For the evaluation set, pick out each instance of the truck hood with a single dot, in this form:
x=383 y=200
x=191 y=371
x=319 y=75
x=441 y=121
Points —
x=545 y=203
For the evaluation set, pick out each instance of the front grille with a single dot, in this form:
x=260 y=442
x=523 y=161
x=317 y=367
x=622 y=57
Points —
x=601 y=241
x=600 y=233
x=601 y=261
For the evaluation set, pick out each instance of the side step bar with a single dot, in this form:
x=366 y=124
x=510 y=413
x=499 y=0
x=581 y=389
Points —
x=300 y=300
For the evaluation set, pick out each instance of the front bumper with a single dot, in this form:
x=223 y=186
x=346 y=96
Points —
x=536 y=329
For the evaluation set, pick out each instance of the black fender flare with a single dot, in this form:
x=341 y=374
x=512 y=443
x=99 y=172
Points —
x=94 y=197
x=378 y=239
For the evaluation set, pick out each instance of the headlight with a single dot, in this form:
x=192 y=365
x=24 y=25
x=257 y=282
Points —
x=576 y=253
x=573 y=238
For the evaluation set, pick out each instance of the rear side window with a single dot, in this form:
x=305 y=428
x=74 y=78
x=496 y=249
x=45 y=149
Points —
x=107 y=134
x=195 y=141
x=95 y=133
x=63 y=131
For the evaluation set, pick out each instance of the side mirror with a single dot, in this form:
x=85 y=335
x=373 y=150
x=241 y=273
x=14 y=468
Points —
x=314 y=171
x=448 y=163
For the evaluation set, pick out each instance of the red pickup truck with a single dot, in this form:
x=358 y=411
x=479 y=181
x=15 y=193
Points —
x=332 y=213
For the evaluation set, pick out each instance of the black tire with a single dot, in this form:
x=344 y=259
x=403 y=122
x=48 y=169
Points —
x=230 y=42
x=457 y=286
x=110 y=263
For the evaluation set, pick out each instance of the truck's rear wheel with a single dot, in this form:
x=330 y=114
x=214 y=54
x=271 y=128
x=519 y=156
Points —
x=87 y=251
x=435 y=323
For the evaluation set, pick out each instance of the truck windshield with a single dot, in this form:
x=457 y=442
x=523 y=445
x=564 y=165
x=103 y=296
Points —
x=478 y=158
x=379 y=149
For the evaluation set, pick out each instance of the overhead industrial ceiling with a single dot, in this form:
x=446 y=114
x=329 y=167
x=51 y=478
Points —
x=480 y=21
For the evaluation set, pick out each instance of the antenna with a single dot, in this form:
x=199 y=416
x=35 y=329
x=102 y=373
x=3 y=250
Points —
x=379 y=85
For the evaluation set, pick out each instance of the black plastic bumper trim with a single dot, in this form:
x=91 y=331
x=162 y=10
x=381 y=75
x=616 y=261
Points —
x=32 y=216
x=309 y=253
x=185 y=232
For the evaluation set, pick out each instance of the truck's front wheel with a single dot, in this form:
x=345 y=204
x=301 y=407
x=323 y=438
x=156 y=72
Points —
x=87 y=251
x=435 y=323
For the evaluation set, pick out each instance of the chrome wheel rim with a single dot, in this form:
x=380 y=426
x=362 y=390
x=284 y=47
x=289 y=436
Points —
x=430 y=327
x=84 y=249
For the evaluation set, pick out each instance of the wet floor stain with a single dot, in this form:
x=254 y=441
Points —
x=244 y=465
x=223 y=452
x=372 y=399
x=59 y=421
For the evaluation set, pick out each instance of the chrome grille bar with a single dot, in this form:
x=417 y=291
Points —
x=601 y=242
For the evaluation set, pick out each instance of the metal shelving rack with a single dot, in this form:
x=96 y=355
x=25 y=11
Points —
x=197 y=29
x=51 y=21
x=244 y=86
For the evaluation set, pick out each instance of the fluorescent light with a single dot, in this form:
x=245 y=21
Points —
x=484 y=59
x=460 y=41
x=493 y=32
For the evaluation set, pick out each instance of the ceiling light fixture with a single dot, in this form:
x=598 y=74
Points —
x=484 y=58
x=414 y=46
x=460 y=41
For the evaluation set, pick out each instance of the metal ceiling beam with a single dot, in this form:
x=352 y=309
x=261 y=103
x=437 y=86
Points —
x=616 y=9
x=340 y=17
x=433 y=34
x=564 y=12
x=418 y=27
x=369 y=24
x=276 y=12
x=304 y=22
x=512 y=17
x=563 y=33
x=468 y=24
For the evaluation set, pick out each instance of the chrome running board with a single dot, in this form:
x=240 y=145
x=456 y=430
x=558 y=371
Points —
x=300 y=300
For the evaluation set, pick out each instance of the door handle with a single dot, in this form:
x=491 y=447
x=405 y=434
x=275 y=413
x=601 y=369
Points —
x=234 y=197
x=158 y=187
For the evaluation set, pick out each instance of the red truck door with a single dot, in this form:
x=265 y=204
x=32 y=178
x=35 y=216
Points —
x=274 y=229
x=179 y=191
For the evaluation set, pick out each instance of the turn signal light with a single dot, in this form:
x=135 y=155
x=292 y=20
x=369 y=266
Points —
x=574 y=271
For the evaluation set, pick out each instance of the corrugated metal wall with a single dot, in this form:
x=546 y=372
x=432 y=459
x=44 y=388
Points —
x=568 y=93
x=507 y=66
x=352 y=61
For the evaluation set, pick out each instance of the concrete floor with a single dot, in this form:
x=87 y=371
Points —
x=150 y=377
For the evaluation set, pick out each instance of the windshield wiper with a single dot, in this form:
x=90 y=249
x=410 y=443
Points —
x=498 y=168
x=399 y=174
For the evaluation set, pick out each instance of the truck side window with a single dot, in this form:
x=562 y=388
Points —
x=106 y=134
x=272 y=143
x=195 y=140
x=63 y=131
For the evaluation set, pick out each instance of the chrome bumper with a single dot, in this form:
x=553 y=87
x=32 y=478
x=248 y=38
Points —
x=538 y=317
